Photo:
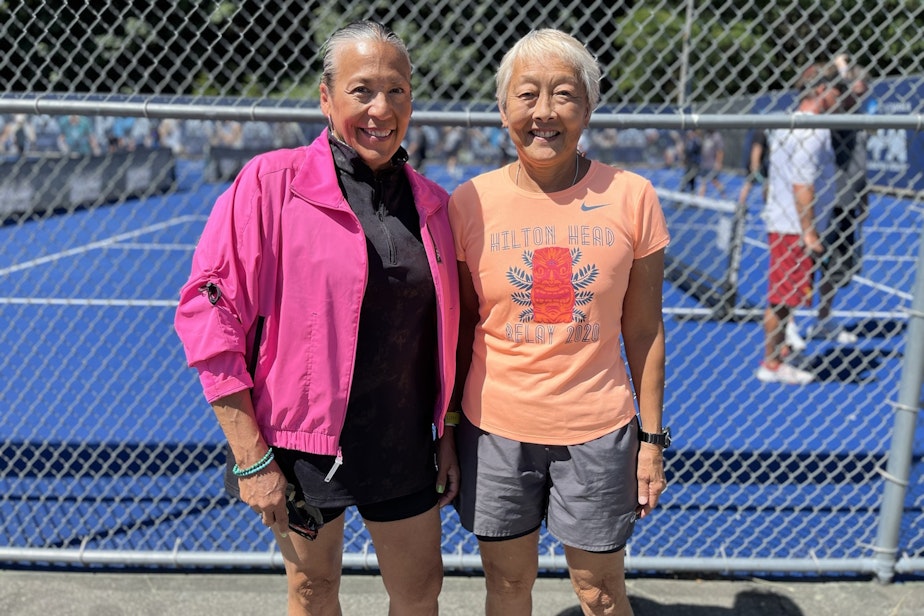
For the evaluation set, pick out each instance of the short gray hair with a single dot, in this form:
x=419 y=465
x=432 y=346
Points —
x=354 y=32
x=542 y=45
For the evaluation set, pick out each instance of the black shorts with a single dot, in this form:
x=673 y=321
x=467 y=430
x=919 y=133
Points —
x=841 y=259
x=389 y=510
x=400 y=508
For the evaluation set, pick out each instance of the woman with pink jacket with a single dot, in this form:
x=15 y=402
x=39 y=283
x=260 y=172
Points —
x=322 y=316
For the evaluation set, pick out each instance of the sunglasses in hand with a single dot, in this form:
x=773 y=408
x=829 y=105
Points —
x=304 y=519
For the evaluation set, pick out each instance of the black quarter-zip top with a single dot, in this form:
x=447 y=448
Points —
x=393 y=391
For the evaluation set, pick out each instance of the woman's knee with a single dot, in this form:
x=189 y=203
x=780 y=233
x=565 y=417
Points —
x=510 y=586
x=313 y=571
x=316 y=593
x=510 y=566
x=601 y=594
x=419 y=600
x=423 y=583
x=509 y=580
x=599 y=580
x=410 y=562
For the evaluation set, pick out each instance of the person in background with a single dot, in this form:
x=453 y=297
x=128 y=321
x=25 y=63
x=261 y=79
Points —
x=757 y=172
x=142 y=135
x=560 y=258
x=692 y=158
x=170 y=135
x=288 y=134
x=321 y=313
x=797 y=159
x=77 y=136
x=842 y=239
x=757 y=166
x=654 y=148
x=453 y=142
x=229 y=134
x=416 y=145
x=712 y=159
x=18 y=135
x=606 y=143
x=673 y=149
x=120 y=134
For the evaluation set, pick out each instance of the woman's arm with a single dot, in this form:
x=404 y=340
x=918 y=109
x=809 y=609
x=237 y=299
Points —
x=468 y=319
x=643 y=338
x=264 y=491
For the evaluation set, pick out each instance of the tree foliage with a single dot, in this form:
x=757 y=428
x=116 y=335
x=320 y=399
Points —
x=269 y=48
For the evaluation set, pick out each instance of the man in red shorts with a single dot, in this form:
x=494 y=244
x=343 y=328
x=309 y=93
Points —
x=797 y=158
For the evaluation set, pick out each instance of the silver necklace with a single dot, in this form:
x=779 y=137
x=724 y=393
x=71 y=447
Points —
x=577 y=169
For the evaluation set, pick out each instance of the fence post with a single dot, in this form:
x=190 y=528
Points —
x=898 y=470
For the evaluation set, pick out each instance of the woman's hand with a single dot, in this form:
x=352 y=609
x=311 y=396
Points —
x=447 y=466
x=651 y=480
x=265 y=493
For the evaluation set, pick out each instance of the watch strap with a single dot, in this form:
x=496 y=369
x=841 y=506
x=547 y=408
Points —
x=662 y=438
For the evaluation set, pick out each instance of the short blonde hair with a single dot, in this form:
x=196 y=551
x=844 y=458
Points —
x=546 y=43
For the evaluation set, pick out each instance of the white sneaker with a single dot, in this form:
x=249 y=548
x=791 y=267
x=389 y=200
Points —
x=846 y=337
x=793 y=340
x=833 y=332
x=784 y=373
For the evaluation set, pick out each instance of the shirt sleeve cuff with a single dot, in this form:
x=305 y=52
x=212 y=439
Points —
x=223 y=375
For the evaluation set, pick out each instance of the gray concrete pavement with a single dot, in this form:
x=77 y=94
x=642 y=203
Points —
x=31 y=593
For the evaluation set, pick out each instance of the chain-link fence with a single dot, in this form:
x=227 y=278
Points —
x=123 y=121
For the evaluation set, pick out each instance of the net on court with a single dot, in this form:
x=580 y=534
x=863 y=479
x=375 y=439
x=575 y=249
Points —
x=704 y=256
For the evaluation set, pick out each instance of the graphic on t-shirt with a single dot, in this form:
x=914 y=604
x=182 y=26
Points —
x=550 y=288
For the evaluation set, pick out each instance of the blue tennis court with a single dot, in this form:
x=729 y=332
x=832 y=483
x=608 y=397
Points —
x=102 y=403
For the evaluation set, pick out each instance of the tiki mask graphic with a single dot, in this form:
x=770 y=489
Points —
x=550 y=289
x=552 y=292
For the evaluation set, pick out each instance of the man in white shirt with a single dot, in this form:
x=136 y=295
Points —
x=797 y=159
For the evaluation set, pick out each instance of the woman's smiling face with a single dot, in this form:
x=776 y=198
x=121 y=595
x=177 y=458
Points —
x=369 y=102
x=546 y=111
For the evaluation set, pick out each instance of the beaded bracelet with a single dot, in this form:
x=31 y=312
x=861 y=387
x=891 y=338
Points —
x=452 y=418
x=256 y=468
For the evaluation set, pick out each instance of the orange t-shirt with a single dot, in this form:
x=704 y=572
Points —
x=551 y=272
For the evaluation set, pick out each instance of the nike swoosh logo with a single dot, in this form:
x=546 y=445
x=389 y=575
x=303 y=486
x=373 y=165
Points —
x=587 y=208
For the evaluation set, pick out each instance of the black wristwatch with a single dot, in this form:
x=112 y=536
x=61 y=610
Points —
x=663 y=438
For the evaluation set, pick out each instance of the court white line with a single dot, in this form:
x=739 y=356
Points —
x=152 y=246
x=106 y=303
x=881 y=287
x=892 y=259
x=100 y=244
x=756 y=313
x=725 y=206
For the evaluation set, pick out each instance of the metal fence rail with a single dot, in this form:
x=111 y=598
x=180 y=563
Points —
x=104 y=431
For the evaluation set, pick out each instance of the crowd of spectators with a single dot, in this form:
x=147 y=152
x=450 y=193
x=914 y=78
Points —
x=451 y=146
x=490 y=146
x=46 y=135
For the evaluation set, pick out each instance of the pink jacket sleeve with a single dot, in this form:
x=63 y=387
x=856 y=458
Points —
x=217 y=307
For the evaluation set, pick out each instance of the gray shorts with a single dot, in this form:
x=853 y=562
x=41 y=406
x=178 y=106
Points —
x=586 y=493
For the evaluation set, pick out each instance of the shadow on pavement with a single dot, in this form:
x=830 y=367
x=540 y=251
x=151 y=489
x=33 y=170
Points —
x=747 y=603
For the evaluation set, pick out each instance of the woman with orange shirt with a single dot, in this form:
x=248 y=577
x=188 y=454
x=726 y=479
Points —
x=560 y=259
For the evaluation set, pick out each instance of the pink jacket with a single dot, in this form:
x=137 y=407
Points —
x=283 y=243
